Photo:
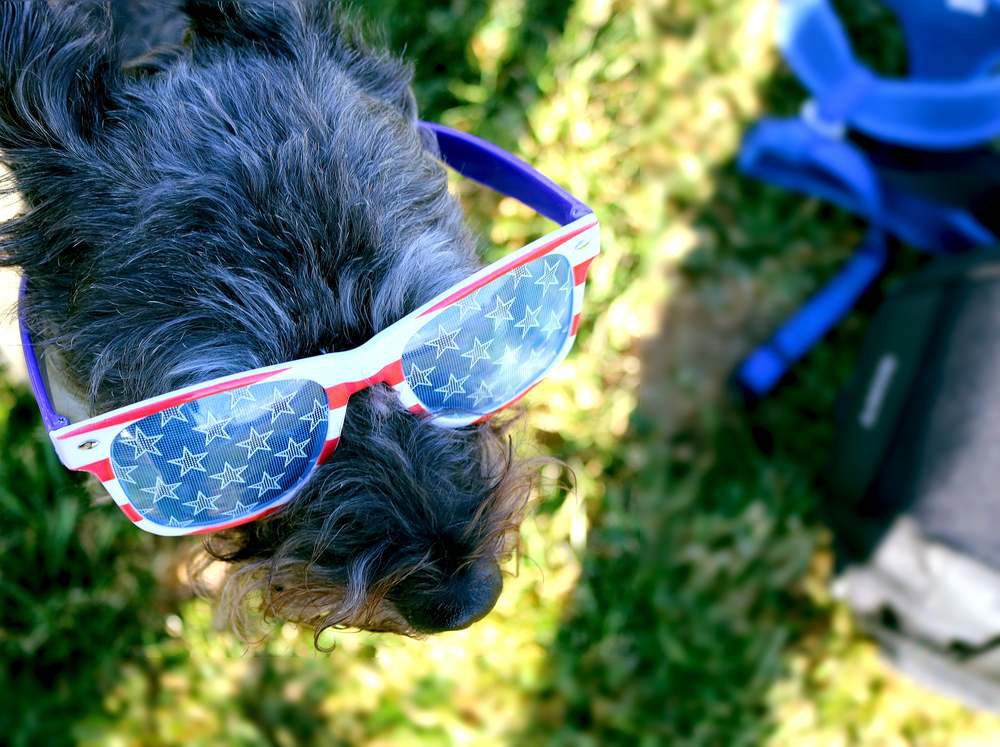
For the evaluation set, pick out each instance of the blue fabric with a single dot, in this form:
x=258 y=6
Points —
x=949 y=42
x=492 y=345
x=952 y=101
x=922 y=112
x=222 y=457
x=761 y=371
x=792 y=154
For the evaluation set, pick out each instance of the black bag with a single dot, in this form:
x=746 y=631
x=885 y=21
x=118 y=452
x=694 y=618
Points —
x=915 y=483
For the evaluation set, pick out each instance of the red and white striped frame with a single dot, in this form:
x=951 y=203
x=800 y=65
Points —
x=86 y=445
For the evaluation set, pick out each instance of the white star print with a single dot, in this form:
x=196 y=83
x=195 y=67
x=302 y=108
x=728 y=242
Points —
x=548 y=277
x=480 y=351
x=124 y=473
x=554 y=324
x=317 y=416
x=567 y=287
x=203 y=503
x=293 y=451
x=501 y=312
x=267 y=482
x=454 y=386
x=484 y=392
x=174 y=413
x=468 y=305
x=510 y=357
x=238 y=508
x=518 y=274
x=419 y=376
x=229 y=475
x=214 y=428
x=444 y=341
x=172 y=522
x=142 y=443
x=255 y=442
x=238 y=395
x=162 y=490
x=280 y=405
x=188 y=461
x=529 y=320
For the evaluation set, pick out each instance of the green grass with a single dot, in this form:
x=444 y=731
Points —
x=678 y=595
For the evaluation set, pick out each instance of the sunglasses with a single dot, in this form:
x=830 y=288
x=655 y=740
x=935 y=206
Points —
x=234 y=449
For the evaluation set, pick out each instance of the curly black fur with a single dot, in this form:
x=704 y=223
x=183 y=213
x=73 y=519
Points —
x=254 y=193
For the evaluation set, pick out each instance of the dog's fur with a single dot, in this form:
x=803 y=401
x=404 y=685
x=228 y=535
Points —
x=250 y=191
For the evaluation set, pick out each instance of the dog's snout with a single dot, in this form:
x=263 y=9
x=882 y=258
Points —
x=466 y=597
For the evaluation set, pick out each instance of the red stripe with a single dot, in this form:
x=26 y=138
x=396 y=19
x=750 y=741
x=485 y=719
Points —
x=576 y=325
x=328 y=448
x=503 y=270
x=130 y=512
x=166 y=404
x=338 y=394
x=236 y=522
x=101 y=470
x=580 y=270
x=418 y=409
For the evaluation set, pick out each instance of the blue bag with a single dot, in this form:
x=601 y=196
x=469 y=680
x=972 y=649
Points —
x=861 y=138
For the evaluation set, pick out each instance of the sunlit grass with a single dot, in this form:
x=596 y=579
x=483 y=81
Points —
x=677 y=593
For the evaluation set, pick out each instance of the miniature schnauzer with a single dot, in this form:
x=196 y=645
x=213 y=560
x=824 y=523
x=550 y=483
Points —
x=214 y=186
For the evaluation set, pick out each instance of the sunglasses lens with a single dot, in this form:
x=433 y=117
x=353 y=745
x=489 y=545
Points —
x=488 y=348
x=217 y=459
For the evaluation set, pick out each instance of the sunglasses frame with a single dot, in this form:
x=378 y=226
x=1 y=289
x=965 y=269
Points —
x=86 y=445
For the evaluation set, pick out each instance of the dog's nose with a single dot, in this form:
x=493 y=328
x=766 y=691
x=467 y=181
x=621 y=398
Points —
x=466 y=597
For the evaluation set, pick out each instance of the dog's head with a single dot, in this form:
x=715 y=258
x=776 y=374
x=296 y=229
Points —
x=257 y=194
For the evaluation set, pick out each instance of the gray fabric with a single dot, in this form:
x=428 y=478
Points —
x=944 y=625
x=956 y=478
x=942 y=468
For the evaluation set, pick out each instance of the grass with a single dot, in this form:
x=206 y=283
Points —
x=679 y=595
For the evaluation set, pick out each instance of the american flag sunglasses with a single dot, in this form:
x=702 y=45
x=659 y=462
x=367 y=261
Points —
x=231 y=450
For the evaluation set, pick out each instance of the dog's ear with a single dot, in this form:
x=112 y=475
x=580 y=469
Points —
x=56 y=74
x=306 y=30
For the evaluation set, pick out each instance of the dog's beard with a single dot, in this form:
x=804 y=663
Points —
x=262 y=197
x=402 y=530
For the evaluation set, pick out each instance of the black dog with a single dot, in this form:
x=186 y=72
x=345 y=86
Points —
x=237 y=183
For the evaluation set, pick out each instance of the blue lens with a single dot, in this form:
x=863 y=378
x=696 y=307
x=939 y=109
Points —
x=223 y=457
x=493 y=344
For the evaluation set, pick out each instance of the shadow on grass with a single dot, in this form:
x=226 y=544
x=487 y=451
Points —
x=700 y=569
x=692 y=588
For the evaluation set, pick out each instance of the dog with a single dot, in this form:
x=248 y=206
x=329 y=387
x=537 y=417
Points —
x=213 y=186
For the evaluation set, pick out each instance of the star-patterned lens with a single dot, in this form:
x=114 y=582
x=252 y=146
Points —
x=223 y=457
x=492 y=345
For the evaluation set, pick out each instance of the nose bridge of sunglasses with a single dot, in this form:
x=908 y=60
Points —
x=390 y=375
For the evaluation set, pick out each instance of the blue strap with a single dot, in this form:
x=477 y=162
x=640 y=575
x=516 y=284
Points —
x=921 y=113
x=950 y=39
x=761 y=371
x=793 y=154
x=932 y=226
